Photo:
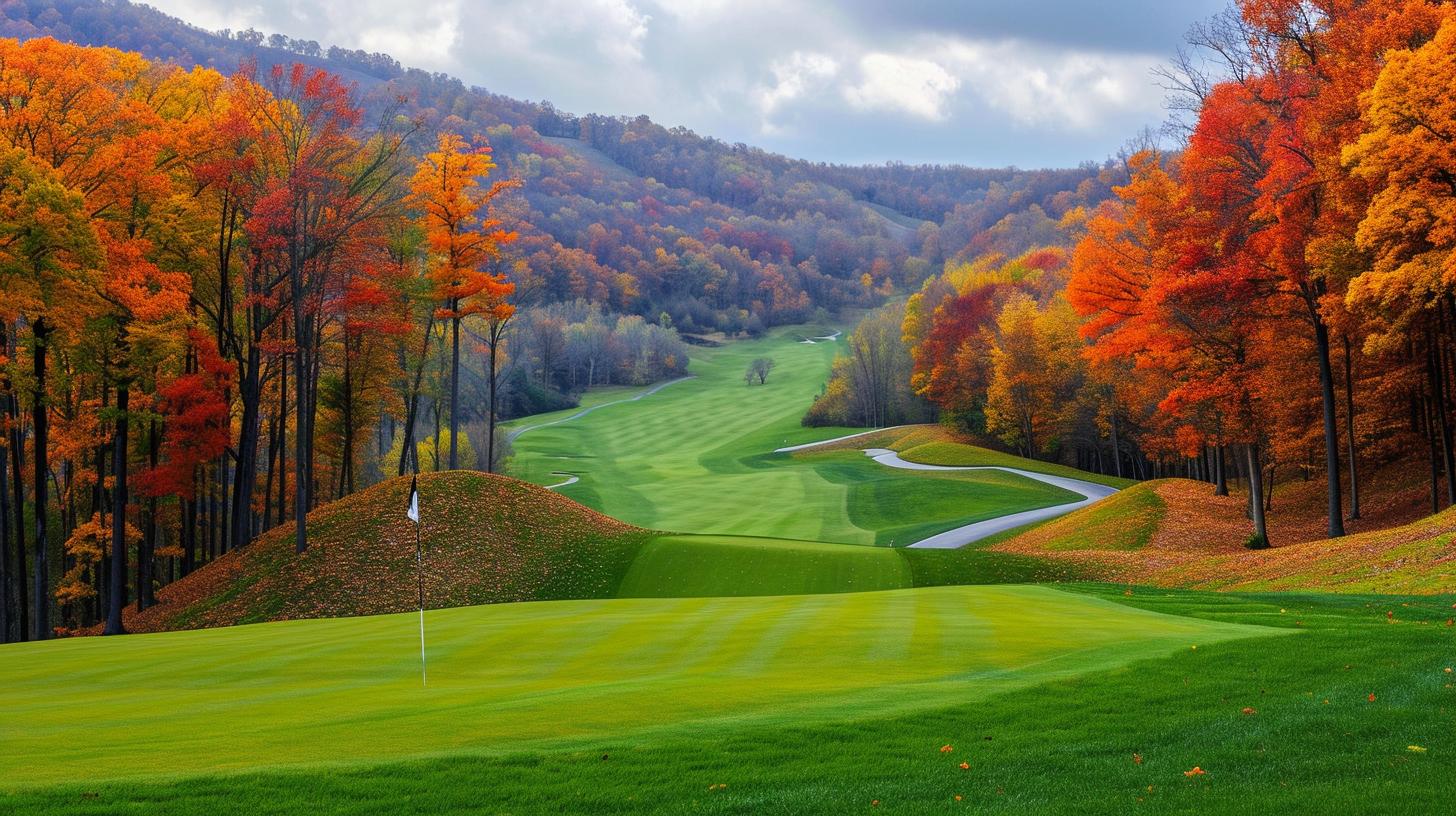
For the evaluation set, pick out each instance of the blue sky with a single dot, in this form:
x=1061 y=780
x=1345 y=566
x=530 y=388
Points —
x=1032 y=83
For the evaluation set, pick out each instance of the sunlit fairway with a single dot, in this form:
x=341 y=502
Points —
x=551 y=674
x=697 y=457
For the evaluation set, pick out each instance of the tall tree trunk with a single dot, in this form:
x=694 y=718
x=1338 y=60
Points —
x=146 y=560
x=40 y=422
x=245 y=473
x=1350 y=433
x=490 y=421
x=17 y=489
x=454 y=390
x=1256 y=492
x=300 y=431
x=116 y=597
x=6 y=579
x=1442 y=422
x=1116 y=445
x=407 y=450
x=1220 y=468
x=1334 y=509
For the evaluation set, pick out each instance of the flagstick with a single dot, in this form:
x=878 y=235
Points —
x=420 y=576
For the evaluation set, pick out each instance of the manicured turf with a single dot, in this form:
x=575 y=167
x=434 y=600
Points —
x=556 y=674
x=959 y=454
x=697 y=457
x=890 y=678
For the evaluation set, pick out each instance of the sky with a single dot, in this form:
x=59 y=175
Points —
x=991 y=83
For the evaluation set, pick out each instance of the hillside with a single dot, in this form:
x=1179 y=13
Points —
x=1176 y=533
x=627 y=213
x=487 y=539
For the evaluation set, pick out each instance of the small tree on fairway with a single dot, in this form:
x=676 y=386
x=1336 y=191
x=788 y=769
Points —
x=758 y=370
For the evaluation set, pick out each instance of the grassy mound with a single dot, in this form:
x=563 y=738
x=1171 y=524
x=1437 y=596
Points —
x=1123 y=521
x=487 y=539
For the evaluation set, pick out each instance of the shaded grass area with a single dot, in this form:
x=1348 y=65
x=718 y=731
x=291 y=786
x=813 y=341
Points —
x=1111 y=738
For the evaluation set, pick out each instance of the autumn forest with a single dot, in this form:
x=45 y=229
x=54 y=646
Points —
x=598 y=465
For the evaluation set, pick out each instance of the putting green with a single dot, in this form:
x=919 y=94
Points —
x=553 y=674
x=697 y=457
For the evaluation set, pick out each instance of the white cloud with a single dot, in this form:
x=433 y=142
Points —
x=1039 y=86
x=894 y=82
x=793 y=78
x=1043 y=82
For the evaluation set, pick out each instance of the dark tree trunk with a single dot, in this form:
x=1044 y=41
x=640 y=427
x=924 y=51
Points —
x=1116 y=446
x=1442 y=422
x=245 y=474
x=490 y=421
x=146 y=559
x=454 y=390
x=407 y=451
x=1256 y=492
x=1220 y=469
x=1350 y=434
x=116 y=596
x=1334 y=509
x=40 y=422
x=17 y=489
x=6 y=579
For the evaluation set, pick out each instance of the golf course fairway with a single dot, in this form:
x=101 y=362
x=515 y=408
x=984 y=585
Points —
x=697 y=456
x=547 y=674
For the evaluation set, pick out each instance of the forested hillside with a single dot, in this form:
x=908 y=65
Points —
x=1271 y=302
x=630 y=214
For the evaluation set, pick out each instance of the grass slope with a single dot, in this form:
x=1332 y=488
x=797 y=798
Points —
x=661 y=463
x=487 y=539
x=1114 y=738
x=1175 y=532
x=552 y=675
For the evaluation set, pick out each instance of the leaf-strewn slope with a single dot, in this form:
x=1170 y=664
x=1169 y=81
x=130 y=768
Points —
x=488 y=539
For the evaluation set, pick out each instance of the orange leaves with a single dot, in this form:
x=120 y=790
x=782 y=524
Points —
x=446 y=190
x=945 y=749
x=1194 y=771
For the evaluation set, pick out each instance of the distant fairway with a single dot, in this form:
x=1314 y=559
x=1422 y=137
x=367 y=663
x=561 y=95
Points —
x=697 y=457
x=505 y=677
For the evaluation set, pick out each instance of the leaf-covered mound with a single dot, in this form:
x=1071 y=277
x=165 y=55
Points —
x=1175 y=532
x=488 y=539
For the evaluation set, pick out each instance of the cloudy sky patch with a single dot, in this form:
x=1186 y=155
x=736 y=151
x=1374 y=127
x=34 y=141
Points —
x=1031 y=83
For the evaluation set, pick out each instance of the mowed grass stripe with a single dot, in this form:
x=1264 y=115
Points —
x=697 y=457
x=240 y=698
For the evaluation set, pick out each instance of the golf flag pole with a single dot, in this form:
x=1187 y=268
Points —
x=414 y=515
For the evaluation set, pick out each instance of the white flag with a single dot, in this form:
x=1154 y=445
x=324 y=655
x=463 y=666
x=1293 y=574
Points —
x=414 y=504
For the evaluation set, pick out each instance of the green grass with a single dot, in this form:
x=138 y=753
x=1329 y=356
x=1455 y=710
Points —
x=697 y=457
x=959 y=454
x=552 y=675
x=1122 y=521
x=691 y=566
x=797 y=705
